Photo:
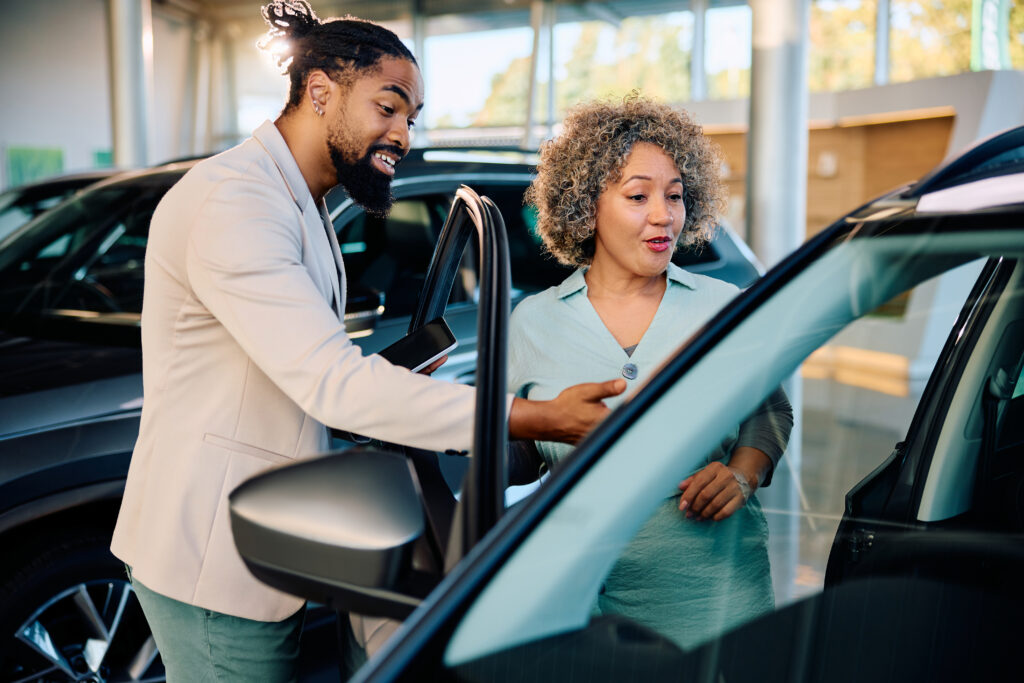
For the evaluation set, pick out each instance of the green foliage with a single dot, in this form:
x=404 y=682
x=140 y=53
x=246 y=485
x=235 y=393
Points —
x=647 y=56
x=1017 y=35
x=929 y=38
x=842 y=45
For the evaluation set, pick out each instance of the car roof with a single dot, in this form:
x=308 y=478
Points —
x=420 y=161
x=987 y=178
x=57 y=184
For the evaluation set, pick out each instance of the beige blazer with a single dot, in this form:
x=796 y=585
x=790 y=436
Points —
x=245 y=359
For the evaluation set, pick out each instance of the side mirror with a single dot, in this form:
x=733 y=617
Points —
x=363 y=308
x=339 y=529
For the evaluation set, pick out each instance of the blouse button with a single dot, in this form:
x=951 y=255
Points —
x=629 y=371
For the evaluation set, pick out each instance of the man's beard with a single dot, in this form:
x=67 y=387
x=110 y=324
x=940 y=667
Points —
x=367 y=186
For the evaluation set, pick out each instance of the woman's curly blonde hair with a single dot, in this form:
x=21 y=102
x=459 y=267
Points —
x=596 y=139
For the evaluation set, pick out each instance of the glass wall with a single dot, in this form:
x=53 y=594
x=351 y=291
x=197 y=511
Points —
x=597 y=59
x=841 y=54
x=727 y=51
x=929 y=38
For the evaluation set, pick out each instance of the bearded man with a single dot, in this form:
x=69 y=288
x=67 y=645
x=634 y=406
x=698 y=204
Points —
x=245 y=357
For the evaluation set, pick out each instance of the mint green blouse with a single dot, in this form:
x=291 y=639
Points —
x=674 y=569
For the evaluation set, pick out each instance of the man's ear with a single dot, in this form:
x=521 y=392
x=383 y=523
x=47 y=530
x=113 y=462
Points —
x=318 y=90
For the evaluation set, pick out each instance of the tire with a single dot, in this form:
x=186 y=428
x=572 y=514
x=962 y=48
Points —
x=68 y=613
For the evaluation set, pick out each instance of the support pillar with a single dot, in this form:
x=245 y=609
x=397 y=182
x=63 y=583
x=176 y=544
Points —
x=131 y=79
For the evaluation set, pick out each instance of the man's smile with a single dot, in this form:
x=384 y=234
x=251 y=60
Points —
x=384 y=162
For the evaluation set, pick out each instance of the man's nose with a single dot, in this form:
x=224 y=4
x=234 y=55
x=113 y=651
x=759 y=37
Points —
x=398 y=134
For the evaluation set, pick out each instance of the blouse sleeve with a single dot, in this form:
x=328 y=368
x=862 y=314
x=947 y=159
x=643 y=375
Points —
x=768 y=428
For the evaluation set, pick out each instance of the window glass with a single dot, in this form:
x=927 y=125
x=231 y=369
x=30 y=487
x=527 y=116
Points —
x=392 y=255
x=500 y=57
x=86 y=254
x=842 y=46
x=1016 y=37
x=727 y=51
x=647 y=53
x=930 y=38
x=616 y=554
x=532 y=268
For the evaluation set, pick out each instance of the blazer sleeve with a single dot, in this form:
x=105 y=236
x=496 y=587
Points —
x=244 y=264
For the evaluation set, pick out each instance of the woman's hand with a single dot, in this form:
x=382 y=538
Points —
x=717 y=491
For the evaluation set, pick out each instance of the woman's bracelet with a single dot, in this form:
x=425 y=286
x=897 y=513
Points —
x=744 y=484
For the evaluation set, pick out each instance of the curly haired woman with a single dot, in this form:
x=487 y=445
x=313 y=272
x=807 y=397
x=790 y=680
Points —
x=616 y=192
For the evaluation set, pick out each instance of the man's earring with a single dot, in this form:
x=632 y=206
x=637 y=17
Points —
x=317 y=109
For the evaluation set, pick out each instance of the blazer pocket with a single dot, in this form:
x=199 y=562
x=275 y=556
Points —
x=239 y=447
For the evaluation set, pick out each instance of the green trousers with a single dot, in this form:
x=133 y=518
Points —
x=199 y=645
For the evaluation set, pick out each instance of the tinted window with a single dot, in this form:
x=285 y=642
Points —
x=85 y=255
x=392 y=255
x=533 y=269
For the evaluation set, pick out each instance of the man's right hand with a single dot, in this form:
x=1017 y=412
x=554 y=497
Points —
x=566 y=418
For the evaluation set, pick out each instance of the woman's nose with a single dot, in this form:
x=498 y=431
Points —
x=660 y=213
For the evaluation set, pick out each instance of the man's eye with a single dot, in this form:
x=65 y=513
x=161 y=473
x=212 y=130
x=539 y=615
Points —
x=412 y=123
x=386 y=109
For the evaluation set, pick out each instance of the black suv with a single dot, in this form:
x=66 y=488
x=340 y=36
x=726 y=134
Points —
x=896 y=536
x=71 y=387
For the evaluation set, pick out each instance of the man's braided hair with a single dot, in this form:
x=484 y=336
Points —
x=339 y=47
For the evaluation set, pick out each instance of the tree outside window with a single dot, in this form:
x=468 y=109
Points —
x=842 y=44
x=929 y=38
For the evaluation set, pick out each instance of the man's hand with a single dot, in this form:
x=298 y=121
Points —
x=566 y=418
x=434 y=366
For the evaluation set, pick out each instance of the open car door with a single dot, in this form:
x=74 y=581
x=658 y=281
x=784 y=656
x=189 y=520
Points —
x=372 y=529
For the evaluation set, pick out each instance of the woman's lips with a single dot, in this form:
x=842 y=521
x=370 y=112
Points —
x=658 y=244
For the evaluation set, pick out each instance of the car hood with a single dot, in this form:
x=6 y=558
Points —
x=48 y=380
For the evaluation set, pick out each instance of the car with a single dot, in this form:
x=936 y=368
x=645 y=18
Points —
x=21 y=204
x=896 y=524
x=71 y=390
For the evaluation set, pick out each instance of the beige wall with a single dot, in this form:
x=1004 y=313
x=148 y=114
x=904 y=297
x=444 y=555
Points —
x=847 y=165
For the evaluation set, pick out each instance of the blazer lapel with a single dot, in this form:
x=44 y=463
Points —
x=338 y=265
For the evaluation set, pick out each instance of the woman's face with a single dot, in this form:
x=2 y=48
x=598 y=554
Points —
x=640 y=216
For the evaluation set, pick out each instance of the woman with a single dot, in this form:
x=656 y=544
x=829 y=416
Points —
x=616 y=192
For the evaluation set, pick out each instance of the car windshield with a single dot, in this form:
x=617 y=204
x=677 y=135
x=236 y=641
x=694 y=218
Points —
x=853 y=337
x=86 y=255
x=19 y=205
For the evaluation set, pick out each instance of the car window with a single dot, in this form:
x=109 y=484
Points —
x=392 y=254
x=86 y=255
x=533 y=269
x=614 y=556
x=17 y=209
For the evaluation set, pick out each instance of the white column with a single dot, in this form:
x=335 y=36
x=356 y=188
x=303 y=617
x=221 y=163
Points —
x=882 y=43
x=131 y=79
x=777 y=210
x=777 y=141
x=698 y=69
x=536 y=22
x=419 y=50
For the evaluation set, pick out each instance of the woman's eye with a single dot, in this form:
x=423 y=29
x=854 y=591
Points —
x=636 y=197
x=676 y=197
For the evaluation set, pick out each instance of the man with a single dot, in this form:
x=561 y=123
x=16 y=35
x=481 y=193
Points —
x=245 y=357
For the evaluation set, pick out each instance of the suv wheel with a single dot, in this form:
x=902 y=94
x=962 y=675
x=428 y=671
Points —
x=68 y=613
